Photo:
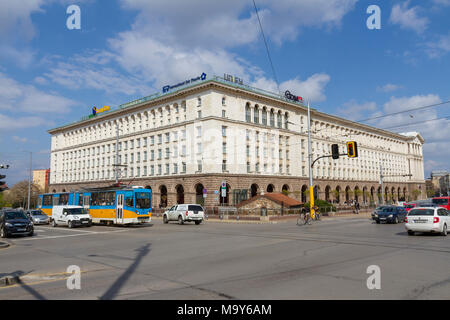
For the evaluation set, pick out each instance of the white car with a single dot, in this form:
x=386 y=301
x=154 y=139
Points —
x=427 y=219
x=70 y=216
x=184 y=212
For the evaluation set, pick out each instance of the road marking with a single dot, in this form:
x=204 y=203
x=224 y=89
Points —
x=70 y=235
x=67 y=229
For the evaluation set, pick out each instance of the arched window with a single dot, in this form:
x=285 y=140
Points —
x=256 y=114
x=272 y=118
x=279 y=119
x=247 y=112
x=264 y=116
x=286 y=120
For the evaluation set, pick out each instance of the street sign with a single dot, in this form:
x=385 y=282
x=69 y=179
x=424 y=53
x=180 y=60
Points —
x=224 y=192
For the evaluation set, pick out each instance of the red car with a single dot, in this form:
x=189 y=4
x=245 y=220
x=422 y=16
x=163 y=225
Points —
x=443 y=202
x=409 y=206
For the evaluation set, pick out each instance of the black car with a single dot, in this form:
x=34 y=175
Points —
x=391 y=214
x=13 y=222
x=377 y=210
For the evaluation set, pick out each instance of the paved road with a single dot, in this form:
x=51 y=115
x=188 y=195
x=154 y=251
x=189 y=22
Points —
x=327 y=260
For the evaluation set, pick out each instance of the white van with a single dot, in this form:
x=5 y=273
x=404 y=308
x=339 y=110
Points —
x=70 y=216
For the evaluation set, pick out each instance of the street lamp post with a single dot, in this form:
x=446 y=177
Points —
x=311 y=187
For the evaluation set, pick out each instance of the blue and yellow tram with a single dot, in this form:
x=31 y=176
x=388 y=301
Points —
x=117 y=206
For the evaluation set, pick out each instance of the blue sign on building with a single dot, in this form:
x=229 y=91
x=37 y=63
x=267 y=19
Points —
x=168 y=88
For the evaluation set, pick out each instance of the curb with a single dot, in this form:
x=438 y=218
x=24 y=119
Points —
x=9 y=280
x=4 y=245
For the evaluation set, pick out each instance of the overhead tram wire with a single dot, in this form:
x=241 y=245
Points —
x=267 y=48
x=408 y=110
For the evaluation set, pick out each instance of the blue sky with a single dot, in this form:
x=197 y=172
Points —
x=126 y=49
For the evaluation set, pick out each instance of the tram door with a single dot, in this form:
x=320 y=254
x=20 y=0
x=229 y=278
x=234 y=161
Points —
x=85 y=203
x=119 y=208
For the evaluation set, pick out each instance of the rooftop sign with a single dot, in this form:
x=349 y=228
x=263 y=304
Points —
x=168 y=88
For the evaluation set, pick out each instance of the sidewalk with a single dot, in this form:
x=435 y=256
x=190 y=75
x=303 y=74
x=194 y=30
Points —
x=280 y=219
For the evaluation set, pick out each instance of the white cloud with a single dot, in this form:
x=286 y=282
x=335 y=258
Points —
x=355 y=111
x=15 y=17
x=13 y=123
x=311 y=89
x=408 y=18
x=220 y=24
x=438 y=48
x=389 y=87
x=19 y=139
x=26 y=98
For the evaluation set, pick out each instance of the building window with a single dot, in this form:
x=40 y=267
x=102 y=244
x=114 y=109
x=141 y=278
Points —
x=224 y=131
x=159 y=169
x=224 y=165
x=145 y=155
x=167 y=168
x=167 y=137
x=199 y=131
x=152 y=155
x=183 y=167
x=199 y=166
x=199 y=114
x=199 y=101
x=159 y=154
x=224 y=147
x=256 y=115
x=175 y=168
x=167 y=153
x=152 y=140
x=279 y=119
x=272 y=118
x=247 y=112
x=223 y=101
x=224 y=114
x=152 y=170
x=145 y=171
x=159 y=138
x=248 y=167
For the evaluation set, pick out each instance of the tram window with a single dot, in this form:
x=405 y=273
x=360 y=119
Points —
x=142 y=200
x=129 y=202
x=47 y=200
x=63 y=199
x=102 y=198
x=55 y=201
x=109 y=198
x=80 y=199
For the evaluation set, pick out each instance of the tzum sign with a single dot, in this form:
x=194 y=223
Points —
x=290 y=96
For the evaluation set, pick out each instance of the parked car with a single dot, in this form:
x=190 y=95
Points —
x=70 y=216
x=428 y=219
x=409 y=206
x=184 y=212
x=38 y=217
x=13 y=222
x=377 y=210
x=391 y=214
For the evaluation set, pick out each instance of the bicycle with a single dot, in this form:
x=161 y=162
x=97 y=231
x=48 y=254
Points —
x=305 y=218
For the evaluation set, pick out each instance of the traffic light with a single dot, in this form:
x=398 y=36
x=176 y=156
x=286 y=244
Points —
x=352 y=149
x=2 y=183
x=335 y=151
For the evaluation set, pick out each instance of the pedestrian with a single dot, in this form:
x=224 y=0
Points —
x=357 y=207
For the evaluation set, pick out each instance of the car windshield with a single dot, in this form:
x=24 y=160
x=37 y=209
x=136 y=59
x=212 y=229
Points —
x=388 y=209
x=143 y=200
x=421 y=212
x=74 y=211
x=440 y=201
x=37 y=213
x=380 y=208
x=195 y=208
x=15 y=215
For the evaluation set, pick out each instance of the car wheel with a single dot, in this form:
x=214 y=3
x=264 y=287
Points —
x=180 y=220
x=444 y=230
x=410 y=233
x=70 y=224
x=198 y=222
x=377 y=221
x=31 y=233
x=165 y=219
x=54 y=223
x=3 y=233
x=395 y=220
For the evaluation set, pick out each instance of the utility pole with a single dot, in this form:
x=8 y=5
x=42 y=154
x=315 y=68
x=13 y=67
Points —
x=381 y=182
x=117 y=153
x=311 y=187
x=29 y=181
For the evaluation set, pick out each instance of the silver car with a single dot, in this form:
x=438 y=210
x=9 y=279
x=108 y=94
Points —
x=185 y=213
x=38 y=217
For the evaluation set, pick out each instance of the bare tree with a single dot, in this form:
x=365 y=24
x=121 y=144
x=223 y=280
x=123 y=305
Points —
x=18 y=195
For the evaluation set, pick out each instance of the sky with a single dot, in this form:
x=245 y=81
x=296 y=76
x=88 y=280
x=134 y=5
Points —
x=323 y=50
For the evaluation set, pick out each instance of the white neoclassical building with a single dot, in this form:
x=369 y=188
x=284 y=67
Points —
x=187 y=140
